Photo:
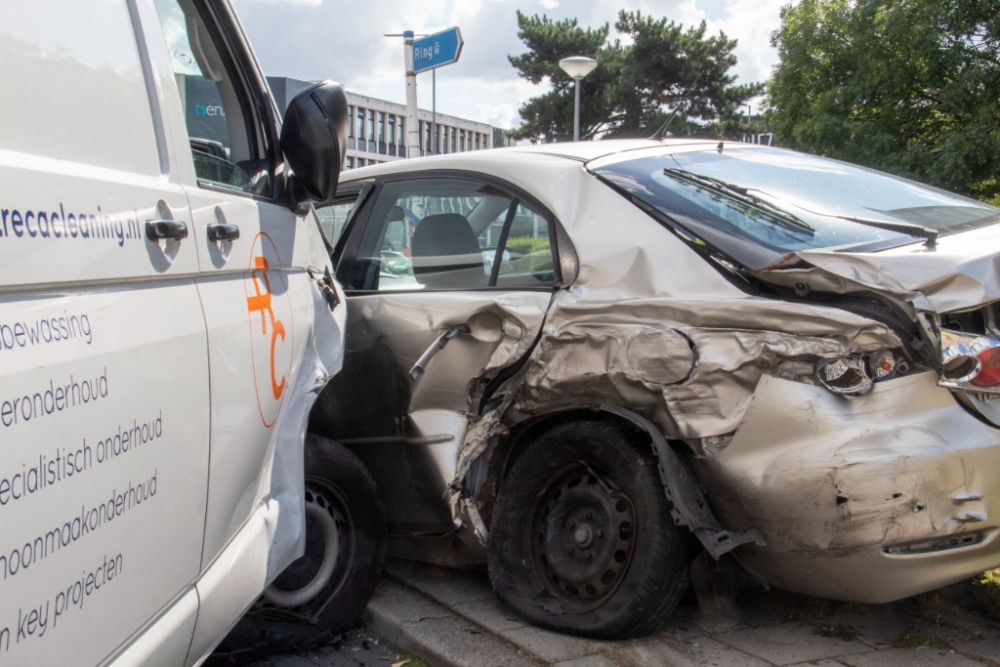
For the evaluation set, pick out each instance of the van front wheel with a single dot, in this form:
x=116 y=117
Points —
x=321 y=594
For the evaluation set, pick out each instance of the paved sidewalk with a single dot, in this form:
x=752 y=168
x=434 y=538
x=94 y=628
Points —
x=452 y=619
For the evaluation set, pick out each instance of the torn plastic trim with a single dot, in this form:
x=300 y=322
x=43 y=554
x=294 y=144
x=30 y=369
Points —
x=482 y=430
x=683 y=490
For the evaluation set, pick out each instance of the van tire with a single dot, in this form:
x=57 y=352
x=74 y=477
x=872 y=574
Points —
x=582 y=539
x=337 y=479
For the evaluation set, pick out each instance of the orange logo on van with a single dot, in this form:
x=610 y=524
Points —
x=269 y=308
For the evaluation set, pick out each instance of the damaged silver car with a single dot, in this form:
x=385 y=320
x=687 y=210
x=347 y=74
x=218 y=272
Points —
x=579 y=363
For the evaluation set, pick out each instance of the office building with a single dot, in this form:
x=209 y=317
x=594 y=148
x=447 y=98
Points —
x=378 y=128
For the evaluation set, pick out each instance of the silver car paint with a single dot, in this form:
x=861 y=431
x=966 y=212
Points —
x=834 y=484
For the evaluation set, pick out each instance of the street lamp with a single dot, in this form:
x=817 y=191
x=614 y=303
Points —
x=577 y=67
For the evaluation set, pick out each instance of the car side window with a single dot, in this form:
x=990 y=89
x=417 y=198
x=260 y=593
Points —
x=527 y=259
x=434 y=233
x=225 y=138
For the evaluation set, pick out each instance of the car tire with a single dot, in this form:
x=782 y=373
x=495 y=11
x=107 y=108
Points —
x=582 y=540
x=295 y=613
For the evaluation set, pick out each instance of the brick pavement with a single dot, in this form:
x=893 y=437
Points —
x=452 y=619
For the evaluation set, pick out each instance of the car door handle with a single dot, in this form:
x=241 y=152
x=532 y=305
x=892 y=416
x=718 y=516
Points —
x=418 y=368
x=223 y=232
x=166 y=229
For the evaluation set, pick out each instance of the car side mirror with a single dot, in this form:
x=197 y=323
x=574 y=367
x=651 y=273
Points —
x=314 y=141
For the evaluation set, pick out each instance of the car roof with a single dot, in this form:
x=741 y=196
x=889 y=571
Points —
x=572 y=152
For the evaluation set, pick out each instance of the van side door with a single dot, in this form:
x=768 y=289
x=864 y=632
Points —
x=259 y=262
x=104 y=400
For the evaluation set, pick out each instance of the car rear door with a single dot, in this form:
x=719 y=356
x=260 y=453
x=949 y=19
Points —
x=448 y=277
x=104 y=402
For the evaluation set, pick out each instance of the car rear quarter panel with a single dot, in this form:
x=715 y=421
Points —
x=832 y=482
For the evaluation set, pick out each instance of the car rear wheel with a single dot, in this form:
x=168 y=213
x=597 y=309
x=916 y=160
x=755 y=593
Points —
x=582 y=539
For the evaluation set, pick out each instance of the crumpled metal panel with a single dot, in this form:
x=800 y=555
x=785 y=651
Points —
x=282 y=481
x=583 y=355
x=961 y=272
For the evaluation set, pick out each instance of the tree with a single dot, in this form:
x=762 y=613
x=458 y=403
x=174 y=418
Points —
x=635 y=86
x=907 y=86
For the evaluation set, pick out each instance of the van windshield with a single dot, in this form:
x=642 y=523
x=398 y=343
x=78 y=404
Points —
x=782 y=201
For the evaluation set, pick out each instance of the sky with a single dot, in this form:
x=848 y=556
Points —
x=343 y=40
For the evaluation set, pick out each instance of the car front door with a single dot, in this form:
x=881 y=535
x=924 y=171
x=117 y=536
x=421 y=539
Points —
x=448 y=279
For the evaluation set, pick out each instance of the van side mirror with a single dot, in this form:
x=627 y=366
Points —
x=314 y=141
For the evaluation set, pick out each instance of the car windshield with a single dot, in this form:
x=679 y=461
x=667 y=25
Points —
x=783 y=201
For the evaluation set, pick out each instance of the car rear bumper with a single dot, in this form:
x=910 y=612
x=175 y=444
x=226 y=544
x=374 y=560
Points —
x=868 y=499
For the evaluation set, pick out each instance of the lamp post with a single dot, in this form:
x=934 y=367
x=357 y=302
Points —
x=577 y=67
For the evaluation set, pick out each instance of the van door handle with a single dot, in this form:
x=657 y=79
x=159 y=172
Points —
x=166 y=229
x=223 y=232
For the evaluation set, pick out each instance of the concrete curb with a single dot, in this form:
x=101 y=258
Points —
x=414 y=623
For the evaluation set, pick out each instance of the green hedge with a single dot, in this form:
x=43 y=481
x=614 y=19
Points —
x=524 y=245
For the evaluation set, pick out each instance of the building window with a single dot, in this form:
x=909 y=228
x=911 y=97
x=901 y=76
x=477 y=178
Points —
x=427 y=139
x=461 y=141
x=477 y=141
x=350 y=162
x=401 y=132
x=454 y=140
x=420 y=135
x=371 y=129
x=350 y=126
x=361 y=124
x=381 y=127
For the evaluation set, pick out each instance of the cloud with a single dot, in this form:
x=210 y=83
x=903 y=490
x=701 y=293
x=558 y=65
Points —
x=751 y=22
x=343 y=41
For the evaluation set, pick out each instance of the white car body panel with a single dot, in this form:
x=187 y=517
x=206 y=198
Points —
x=165 y=334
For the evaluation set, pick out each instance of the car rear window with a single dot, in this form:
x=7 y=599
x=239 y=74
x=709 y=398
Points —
x=804 y=200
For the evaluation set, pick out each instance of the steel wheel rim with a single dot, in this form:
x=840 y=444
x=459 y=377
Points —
x=581 y=536
x=323 y=515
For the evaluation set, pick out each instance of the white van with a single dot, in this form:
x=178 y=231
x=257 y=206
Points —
x=167 y=317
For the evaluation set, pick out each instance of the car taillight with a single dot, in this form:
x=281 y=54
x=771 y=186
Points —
x=857 y=374
x=847 y=376
x=976 y=364
x=987 y=352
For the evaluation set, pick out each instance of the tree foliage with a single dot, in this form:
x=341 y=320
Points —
x=908 y=86
x=634 y=86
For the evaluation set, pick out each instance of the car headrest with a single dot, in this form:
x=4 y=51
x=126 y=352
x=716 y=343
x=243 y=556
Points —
x=396 y=213
x=446 y=254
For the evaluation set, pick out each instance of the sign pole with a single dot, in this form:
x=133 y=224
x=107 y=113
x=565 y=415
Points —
x=412 y=128
x=434 y=125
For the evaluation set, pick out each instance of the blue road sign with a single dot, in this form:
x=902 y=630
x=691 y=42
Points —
x=441 y=48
